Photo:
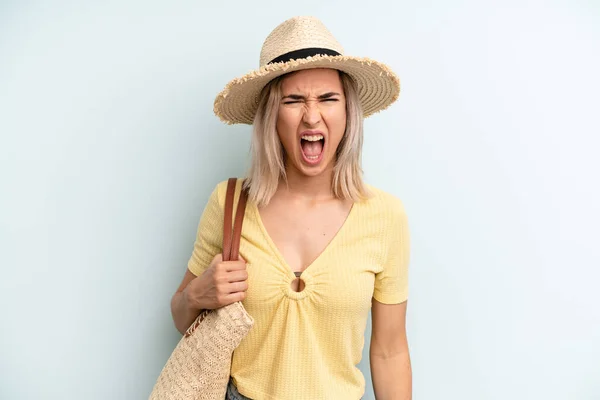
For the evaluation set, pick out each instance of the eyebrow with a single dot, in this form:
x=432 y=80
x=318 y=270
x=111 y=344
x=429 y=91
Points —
x=300 y=97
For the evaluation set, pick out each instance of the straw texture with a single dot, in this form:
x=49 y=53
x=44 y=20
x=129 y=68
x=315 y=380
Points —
x=378 y=85
x=199 y=367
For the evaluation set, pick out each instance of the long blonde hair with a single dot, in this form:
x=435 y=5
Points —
x=268 y=156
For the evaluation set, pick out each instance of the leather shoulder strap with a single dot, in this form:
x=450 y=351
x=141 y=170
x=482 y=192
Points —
x=231 y=239
x=227 y=219
x=237 y=227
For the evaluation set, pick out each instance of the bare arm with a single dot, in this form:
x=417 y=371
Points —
x=182 y=311
x=390 y=360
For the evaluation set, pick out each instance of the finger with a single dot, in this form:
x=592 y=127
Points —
x=233 y=297
x=234 y=265
x=237 y=287
x=237 y=276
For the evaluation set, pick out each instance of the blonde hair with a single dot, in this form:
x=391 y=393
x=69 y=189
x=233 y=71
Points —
x=268 y=156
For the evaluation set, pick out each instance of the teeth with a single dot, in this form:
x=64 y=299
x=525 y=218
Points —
x=312 y=138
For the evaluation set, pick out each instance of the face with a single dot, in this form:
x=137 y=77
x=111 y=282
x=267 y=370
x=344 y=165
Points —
x=311 y=120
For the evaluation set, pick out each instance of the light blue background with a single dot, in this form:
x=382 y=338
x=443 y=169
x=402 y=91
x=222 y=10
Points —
x=109 y=150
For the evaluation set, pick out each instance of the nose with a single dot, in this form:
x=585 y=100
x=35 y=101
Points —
x=312 y=114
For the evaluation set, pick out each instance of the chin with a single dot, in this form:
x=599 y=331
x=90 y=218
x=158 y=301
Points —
x=315 y=170
x=312 y=172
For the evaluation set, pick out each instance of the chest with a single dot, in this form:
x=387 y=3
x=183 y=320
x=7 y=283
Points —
x=301 y=234
x=338 y=277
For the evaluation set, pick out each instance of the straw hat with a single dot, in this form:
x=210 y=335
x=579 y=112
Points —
x=303 y=43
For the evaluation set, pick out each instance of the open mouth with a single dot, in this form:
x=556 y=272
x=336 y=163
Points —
x=312 y=147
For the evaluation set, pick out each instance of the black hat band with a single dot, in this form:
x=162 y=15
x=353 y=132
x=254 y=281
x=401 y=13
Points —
x=304 y=53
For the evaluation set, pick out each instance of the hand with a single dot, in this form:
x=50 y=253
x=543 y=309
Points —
x=223 y=283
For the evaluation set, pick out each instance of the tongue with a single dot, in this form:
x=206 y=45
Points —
x=312 y=148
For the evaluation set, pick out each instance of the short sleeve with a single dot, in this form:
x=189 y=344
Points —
x=391 y=284
x=209 y=238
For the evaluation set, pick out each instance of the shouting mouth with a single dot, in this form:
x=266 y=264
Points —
x=312 y=146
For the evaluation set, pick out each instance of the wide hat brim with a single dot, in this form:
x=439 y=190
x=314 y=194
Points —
x=378 y=86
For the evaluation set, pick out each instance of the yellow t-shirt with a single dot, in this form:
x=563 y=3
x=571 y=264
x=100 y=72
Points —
x=306 y=345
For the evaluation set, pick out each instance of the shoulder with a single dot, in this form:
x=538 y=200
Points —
x=385 y=204
x=387 y=213
x=220 y=191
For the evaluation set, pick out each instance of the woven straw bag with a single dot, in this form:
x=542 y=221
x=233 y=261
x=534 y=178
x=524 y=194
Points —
x=199 y=367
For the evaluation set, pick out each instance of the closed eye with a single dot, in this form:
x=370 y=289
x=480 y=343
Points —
x=298 y=101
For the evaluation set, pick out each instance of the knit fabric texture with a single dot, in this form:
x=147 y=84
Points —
x=306 y=345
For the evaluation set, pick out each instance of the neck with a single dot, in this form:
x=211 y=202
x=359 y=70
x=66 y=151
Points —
x=308 y=187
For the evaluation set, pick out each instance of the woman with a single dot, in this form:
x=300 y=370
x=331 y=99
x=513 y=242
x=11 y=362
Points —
x=319 y=247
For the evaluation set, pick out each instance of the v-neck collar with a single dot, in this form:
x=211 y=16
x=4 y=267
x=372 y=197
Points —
x=278 y=253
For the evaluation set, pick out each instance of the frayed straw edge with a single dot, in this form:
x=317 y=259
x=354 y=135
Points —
x=285 y=66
